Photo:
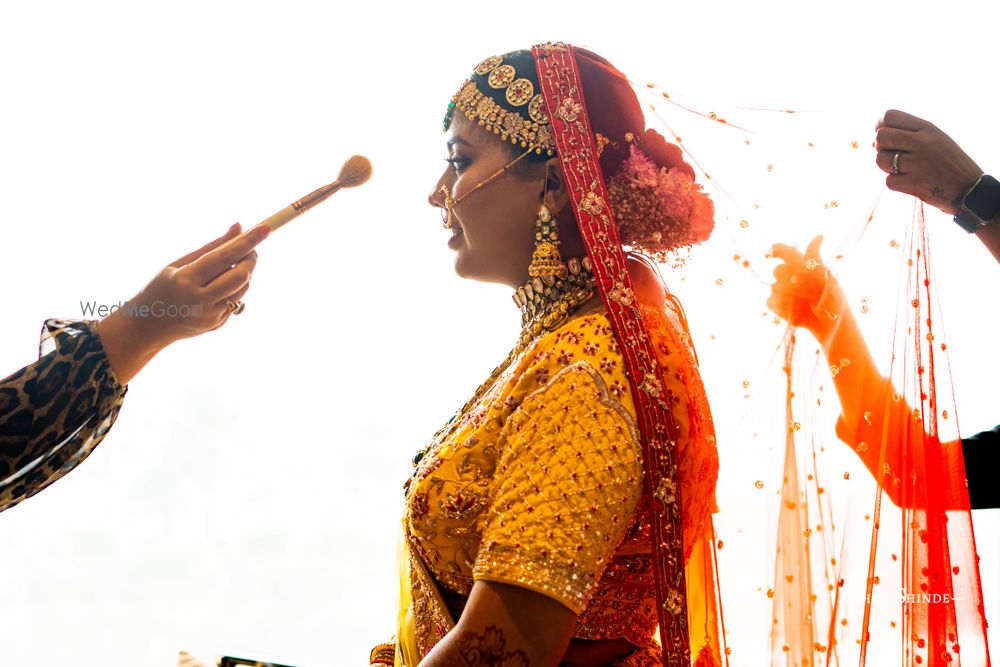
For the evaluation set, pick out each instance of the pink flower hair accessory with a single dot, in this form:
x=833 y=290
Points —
x=659 y=209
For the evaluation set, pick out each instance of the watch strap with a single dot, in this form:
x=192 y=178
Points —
x=980 y=204
x=967 y=222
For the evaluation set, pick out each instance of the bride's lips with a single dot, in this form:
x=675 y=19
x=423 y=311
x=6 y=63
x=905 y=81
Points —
x=456 y=234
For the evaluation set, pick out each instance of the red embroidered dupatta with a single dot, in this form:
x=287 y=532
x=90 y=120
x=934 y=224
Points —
x=560 y=83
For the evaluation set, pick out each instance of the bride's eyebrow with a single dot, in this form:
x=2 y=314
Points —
x=457 y=140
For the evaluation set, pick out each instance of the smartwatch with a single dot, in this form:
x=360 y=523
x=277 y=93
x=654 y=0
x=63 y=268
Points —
x=980 y=205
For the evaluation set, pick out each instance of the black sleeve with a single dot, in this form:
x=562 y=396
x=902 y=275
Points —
x=982 y=458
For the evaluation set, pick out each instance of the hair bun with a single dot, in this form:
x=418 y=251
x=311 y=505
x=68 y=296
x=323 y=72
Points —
x=662 y=152
x=657 y=204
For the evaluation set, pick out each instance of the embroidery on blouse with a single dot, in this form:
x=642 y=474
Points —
x=569 y=486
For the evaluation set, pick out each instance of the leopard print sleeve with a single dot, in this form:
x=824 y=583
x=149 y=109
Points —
x=54 y=412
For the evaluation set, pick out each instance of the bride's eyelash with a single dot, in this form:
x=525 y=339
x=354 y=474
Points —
x=457 y=162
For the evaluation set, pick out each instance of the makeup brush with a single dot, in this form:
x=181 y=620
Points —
x=355 y=171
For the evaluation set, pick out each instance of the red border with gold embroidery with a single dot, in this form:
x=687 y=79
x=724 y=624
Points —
x=574 y=139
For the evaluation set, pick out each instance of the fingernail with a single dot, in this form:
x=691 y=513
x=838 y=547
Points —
x=264 y=232
x=233 y=227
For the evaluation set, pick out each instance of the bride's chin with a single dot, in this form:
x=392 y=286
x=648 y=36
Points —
x=462 y=269
x=467 y=268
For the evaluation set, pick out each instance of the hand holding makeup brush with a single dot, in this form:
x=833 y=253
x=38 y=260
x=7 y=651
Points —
x=200 y=291
x=190 y=296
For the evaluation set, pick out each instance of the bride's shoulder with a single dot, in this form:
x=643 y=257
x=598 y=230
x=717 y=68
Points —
x=584 y=343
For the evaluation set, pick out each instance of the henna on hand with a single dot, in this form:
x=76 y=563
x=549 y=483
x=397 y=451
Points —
x=488 y=649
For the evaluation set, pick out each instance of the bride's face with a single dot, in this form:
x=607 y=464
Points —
x=493 y=227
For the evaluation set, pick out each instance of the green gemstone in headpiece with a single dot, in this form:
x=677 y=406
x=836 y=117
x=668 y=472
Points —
x=447 y=116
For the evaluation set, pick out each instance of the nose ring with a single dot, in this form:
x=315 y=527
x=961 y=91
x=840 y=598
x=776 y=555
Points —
x=447 y=217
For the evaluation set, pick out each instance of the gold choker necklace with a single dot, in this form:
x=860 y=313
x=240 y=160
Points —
x=547 y=301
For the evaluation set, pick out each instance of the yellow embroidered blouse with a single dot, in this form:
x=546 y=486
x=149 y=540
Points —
x=541 y=483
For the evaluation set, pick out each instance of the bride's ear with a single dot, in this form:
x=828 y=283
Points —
x=555 y=185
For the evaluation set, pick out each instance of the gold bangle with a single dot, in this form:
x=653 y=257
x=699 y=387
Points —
x=383 y=654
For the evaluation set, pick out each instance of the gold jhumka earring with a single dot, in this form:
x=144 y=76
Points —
x=556 y=288
x=546 y=262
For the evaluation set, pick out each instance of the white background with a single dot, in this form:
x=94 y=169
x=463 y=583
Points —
x=247 y=502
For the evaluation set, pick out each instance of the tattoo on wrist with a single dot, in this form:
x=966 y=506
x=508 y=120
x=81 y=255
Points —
x=936 y=191
x=488 y=649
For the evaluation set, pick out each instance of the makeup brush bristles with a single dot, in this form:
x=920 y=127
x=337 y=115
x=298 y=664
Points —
x=355 y=171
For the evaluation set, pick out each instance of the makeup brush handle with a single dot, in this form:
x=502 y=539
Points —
x=279 y=219
x=292 y=211
x=274 y=222
x=299 y=206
